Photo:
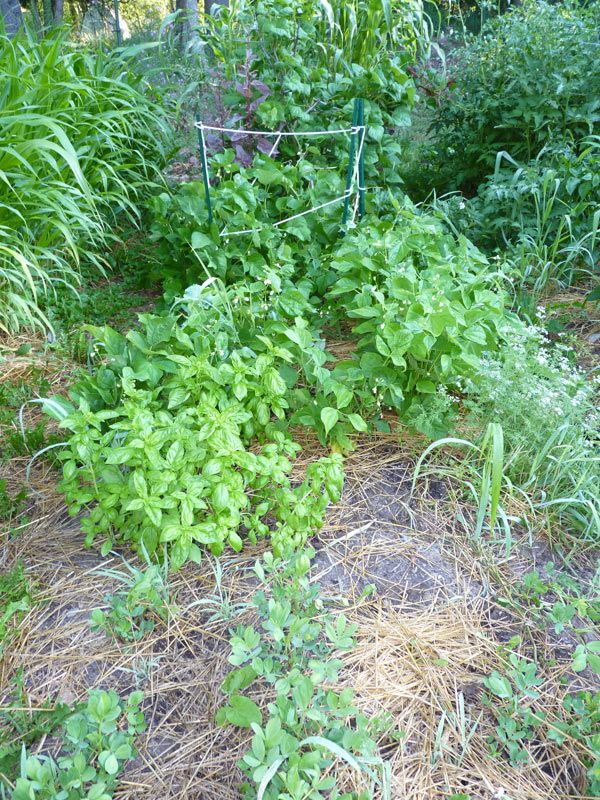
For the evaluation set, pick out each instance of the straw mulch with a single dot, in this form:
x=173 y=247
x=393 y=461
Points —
x=425 y=641
x=434 y=627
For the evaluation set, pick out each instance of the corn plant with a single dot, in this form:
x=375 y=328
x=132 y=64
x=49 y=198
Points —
x=366 y=31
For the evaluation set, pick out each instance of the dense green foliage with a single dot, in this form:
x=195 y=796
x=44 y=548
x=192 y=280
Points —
x=518 y=134
x=80 y=140
x=161 y=433
x=168 y=461
x=181 y=436
x=98 y=740
x=268 y=74
x=524 y=84
x=547 y=409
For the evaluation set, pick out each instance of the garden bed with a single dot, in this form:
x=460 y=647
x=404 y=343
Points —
x=436 y=624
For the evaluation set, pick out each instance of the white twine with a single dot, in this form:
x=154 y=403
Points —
x=353 y=129
x=253 y=181
x=295 y=216
x=355 y=172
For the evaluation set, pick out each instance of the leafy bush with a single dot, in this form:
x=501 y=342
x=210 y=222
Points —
x=80 y=141
x=312 y=60
x=453 y=297
x=553 y=196
x=168 y=460
x=523 y=84
x=429 y=306
x=245 y=200
x=545 y=213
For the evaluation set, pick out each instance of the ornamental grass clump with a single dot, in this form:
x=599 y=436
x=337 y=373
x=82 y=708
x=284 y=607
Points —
x=80 y=140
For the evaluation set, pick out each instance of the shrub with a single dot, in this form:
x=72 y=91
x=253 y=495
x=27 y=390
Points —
x=167 y=459
x=555 y=193
x=526 y=82
x=427 y=306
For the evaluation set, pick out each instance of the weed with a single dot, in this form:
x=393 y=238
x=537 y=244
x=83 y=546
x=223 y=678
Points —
x=219 y=599
x=21 y=727
x=16 y=598
x=129 y=614
x=12 y=506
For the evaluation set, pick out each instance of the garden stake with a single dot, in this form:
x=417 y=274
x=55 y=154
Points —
x=350 y=162
x=204 y=167
x=361 y=160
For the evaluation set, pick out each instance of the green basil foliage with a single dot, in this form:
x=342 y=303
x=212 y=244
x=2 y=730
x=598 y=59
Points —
x=169 y=459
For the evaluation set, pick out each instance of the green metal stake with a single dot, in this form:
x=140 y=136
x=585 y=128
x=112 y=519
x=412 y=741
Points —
x=361 y=160
x=204 y=168
x=117 y=23
x=350 y=162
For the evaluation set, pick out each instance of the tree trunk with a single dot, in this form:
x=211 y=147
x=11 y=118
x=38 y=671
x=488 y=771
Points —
x=187 y=25
x=48 y=16
x=35 y=16
x=57 y=8
x=10 y=10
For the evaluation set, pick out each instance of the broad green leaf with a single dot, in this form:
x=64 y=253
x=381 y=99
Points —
x=111 y=765
x=425 y=386
x=242 y=712
x=357 y=422
x=329 y=417
x=499 y=685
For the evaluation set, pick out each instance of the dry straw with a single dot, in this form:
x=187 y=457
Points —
x=426 y=638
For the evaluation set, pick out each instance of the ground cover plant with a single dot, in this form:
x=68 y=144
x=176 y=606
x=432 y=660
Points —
x=339 y=484
x=307 y=726
x=96 y=750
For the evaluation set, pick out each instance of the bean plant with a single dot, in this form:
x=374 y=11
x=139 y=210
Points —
x=308 y=726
